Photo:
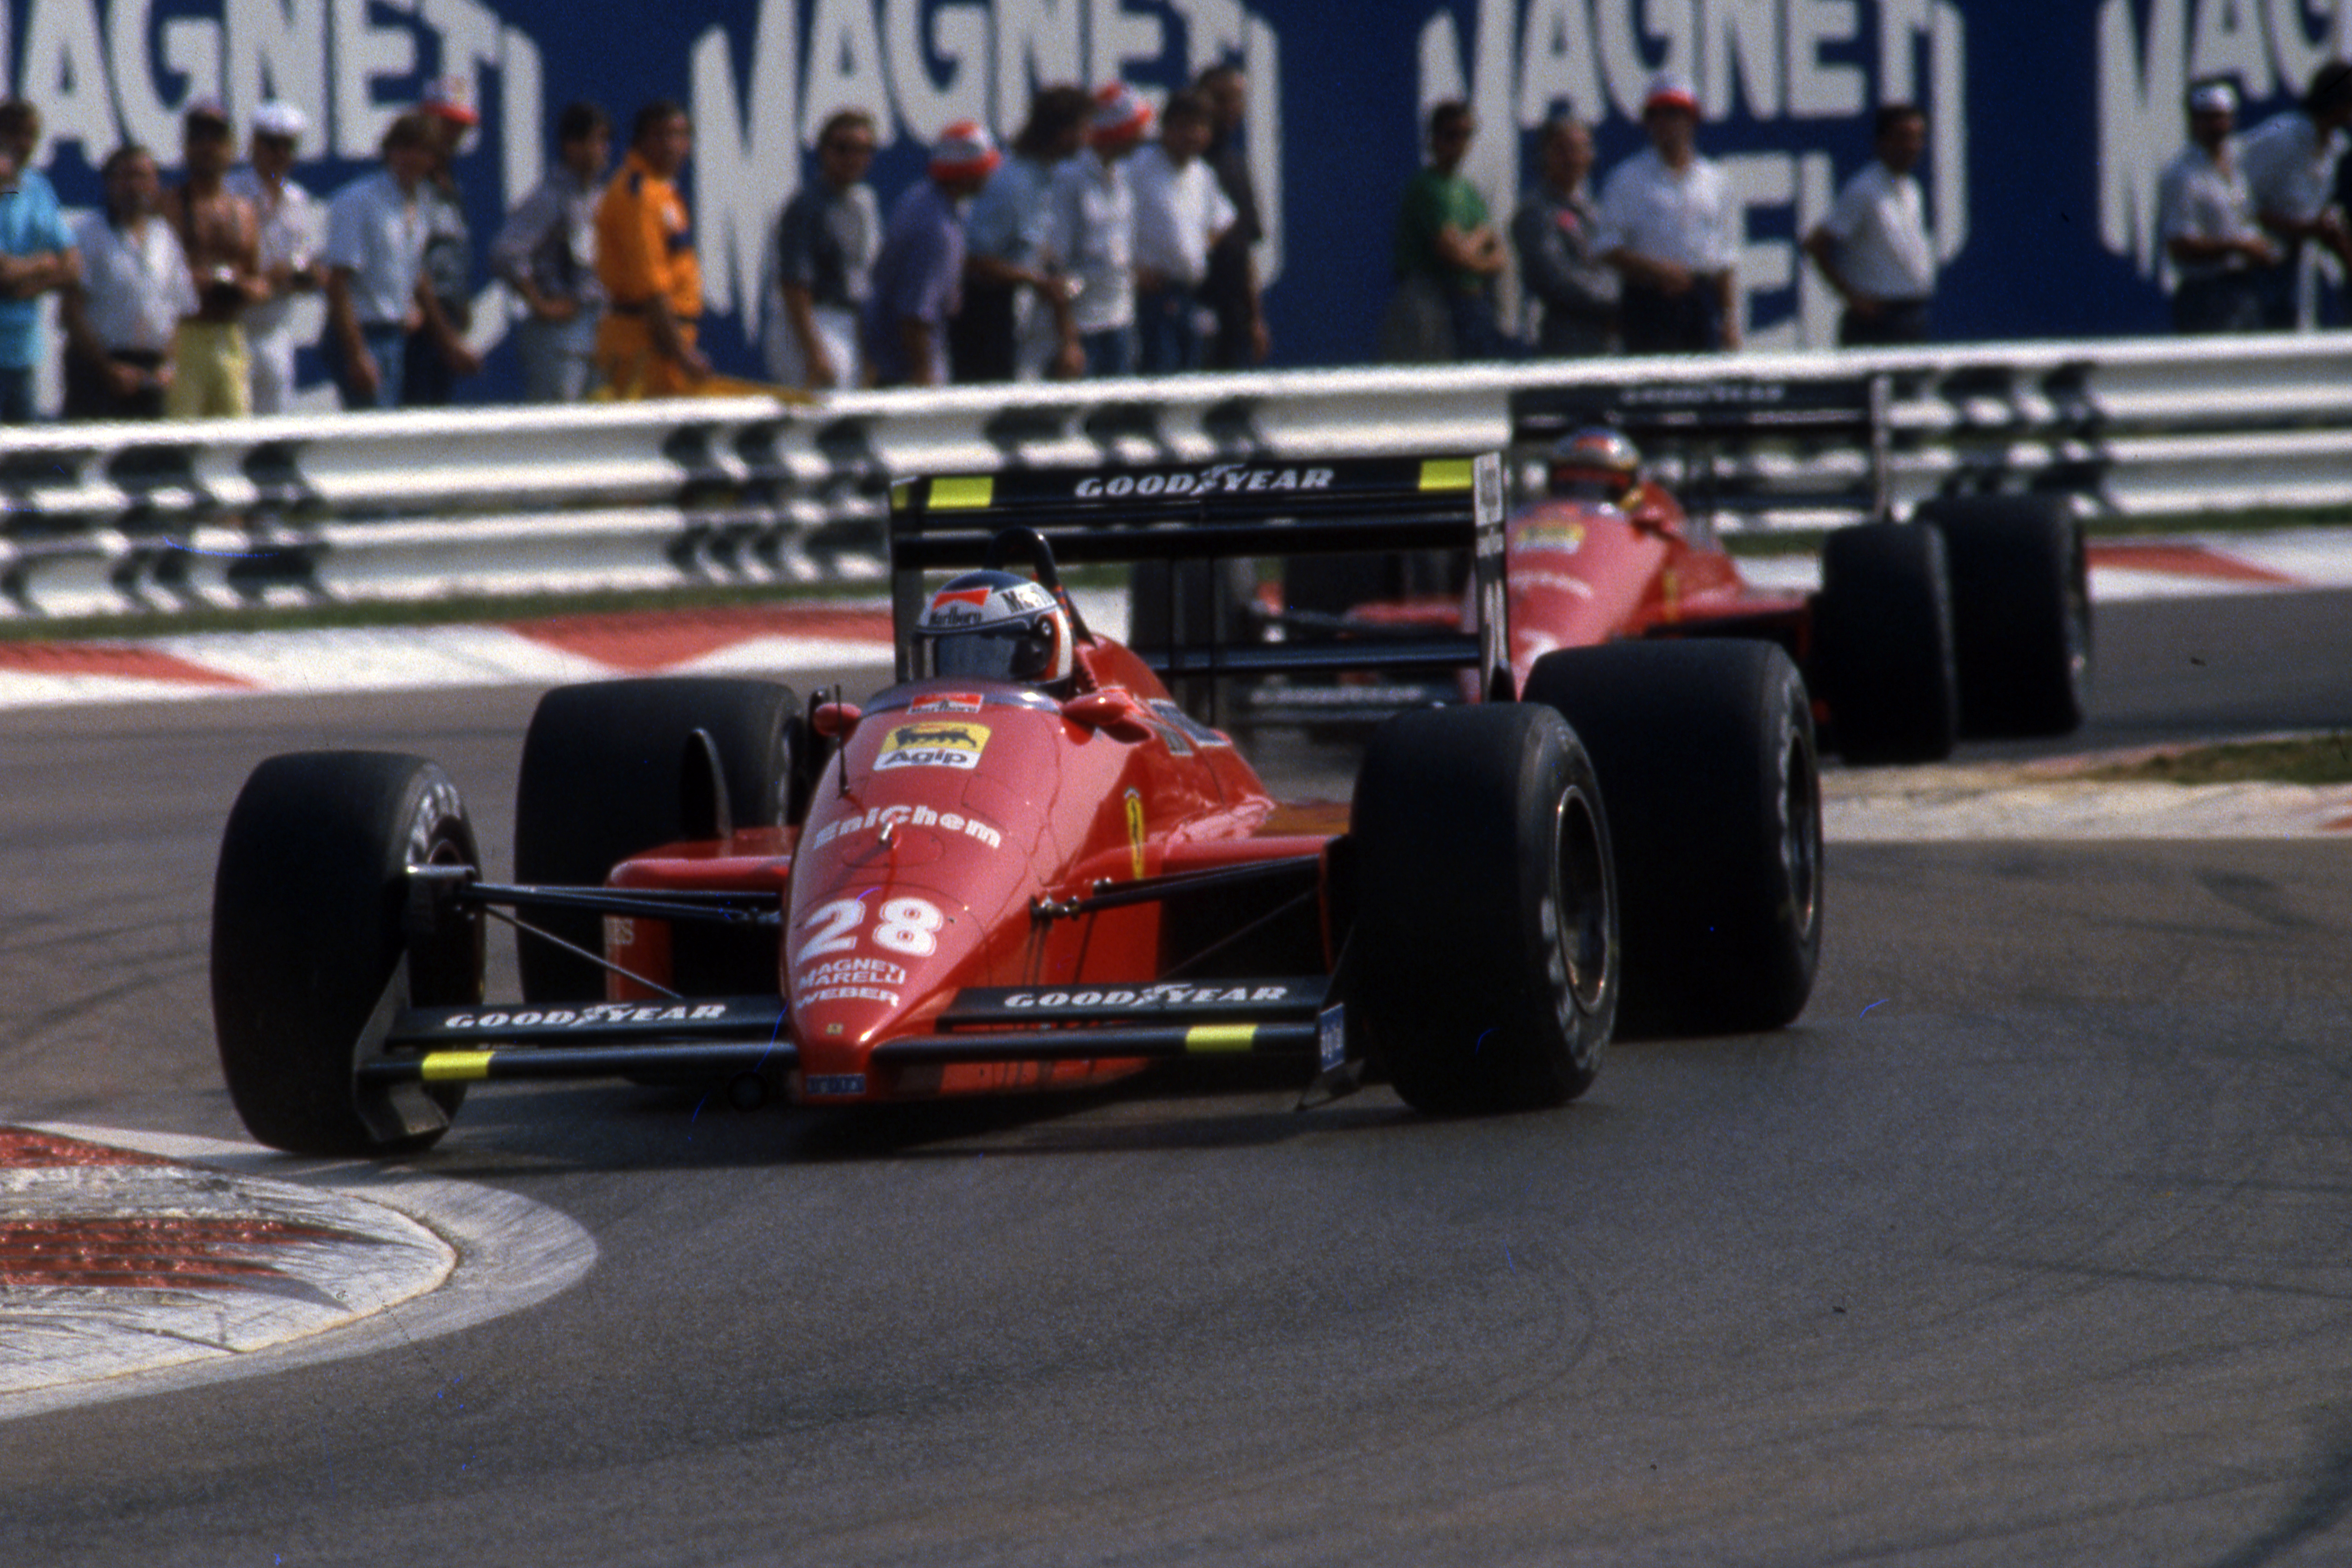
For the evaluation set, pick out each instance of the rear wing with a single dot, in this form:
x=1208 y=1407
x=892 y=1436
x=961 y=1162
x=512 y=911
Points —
x=1224 y=512
x=1745 y=417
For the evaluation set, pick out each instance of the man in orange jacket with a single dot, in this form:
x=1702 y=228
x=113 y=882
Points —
x=645 y=256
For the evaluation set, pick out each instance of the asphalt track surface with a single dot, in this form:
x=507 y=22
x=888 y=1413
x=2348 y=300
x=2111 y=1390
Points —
x=2026 y=1245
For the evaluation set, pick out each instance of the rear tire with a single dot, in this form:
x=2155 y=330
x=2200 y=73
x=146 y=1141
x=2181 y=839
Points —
x=604 y=778
x=310 y=924
x=2021 y=612
x=1704 y=752
x=1884 y=660
x=1485 y=938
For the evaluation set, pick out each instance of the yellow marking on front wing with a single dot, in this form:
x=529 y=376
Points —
x=1447 y=473
x=456 y=1066
x=1208 y=1037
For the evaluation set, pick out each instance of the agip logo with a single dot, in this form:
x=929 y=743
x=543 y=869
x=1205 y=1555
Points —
x=934 y=744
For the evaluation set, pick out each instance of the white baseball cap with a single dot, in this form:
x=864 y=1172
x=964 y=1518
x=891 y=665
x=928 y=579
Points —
x=276 y=118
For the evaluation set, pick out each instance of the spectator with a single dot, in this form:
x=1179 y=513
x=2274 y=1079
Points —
x=1447 y=256
x=1180 y=213
x=2289 y=162
x=289 y=225
x=1231 y=291
x=547 y=254
x=212 y=373
x=135 y=288
x=644 y=255
x=1093 y=229
x=2205 y=217
x=36 y=256
x=375 y=264
x=1015 y=321
x=919 y=268
x=1872 y=249
x=825 y=242
x=1554 y=233
x=436 y=350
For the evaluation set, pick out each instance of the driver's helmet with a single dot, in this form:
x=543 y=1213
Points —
x=1594 y=464
x=994 y=626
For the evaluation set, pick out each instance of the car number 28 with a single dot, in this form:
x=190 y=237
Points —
x=910 y=926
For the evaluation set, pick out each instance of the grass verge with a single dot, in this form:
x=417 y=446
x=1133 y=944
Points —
x=2302 y=760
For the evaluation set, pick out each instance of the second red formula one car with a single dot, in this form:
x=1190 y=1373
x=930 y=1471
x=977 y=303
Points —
x=1022 y=866
x=1972 y=619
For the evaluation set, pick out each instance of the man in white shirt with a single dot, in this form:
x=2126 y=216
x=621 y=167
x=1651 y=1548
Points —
x=376 y=230
x=1872 y=247
x=1667 y=226
x=2290 y=163
x=1093 y=230
x=290 y=222
x=120 y=318
x=2205 y=216
x=1180 y=214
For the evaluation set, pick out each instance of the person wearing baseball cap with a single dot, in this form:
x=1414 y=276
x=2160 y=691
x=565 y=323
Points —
x=2205 y=216
x=1091 y=214
x=221 y=236
x=289 y=221
x=1872 y=247
x=437 y=353
x=918 y=272
x=1668 y=225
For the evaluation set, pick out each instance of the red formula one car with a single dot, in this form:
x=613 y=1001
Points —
x=1022 y=866
x=1972 y=619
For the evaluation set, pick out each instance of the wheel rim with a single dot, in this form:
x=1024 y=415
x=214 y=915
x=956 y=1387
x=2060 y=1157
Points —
x=1577 y=912
x=1800 y=830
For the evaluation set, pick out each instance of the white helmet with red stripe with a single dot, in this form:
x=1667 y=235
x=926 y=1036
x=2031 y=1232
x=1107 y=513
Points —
x=994 y=626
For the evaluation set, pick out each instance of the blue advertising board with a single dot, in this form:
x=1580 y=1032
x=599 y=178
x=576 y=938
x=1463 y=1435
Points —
x=2049 y=124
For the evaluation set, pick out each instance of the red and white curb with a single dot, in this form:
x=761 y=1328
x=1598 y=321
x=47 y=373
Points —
x=133 y=1263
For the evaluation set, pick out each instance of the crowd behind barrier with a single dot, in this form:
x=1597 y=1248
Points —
x=288 y=510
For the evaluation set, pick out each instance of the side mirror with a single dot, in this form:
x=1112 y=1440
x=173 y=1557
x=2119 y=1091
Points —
x=1116 y=713
x=836 y=721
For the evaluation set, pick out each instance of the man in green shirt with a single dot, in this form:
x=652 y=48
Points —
x=1447 y=256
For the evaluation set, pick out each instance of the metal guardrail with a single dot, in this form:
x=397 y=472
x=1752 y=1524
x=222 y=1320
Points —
x=163 y=518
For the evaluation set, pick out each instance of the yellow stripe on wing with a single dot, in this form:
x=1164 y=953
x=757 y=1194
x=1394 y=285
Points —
x=1210 y=1037
x=455 y=1067
x=1447 y=473
x=967 y=492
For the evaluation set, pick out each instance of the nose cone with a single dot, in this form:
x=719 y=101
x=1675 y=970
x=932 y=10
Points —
x=867 y=965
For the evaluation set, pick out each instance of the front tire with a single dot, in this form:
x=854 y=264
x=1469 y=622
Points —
x=310 y=926
x=1486 y=941
x=1705 y=751
x=604 y=776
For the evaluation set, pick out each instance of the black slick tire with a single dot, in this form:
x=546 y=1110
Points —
x=2021 y=613
x=1485 y=945
x=605 y=776
x=1705 y=752
x=310 y=923
x=1884 y=651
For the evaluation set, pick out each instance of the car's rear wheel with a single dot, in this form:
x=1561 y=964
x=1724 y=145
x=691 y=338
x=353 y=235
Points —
x=1884 y=653
x=1484 y=954
x=1704 y=752
x=2021 y=612
x=612 y=769
x=312 y=916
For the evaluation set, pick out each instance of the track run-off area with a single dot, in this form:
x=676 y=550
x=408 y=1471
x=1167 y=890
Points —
x=2024 y=1245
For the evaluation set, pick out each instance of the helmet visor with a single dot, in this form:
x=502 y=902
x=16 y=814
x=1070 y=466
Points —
x=1011 y=650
